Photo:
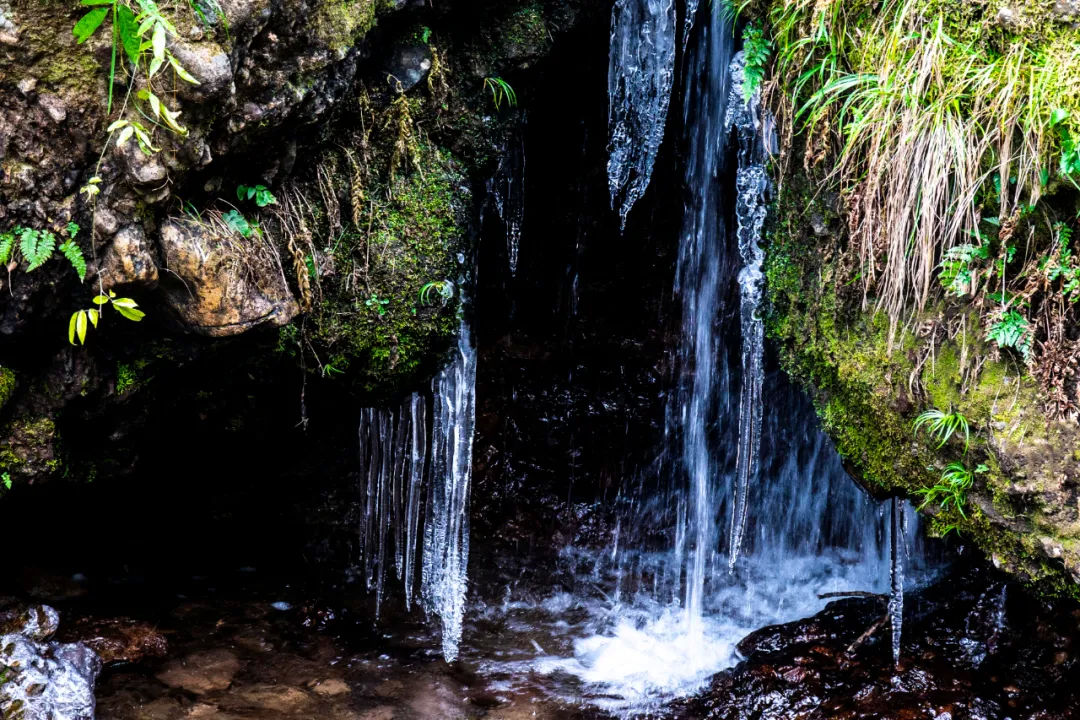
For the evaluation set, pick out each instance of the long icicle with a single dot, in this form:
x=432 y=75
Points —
x=752 y=183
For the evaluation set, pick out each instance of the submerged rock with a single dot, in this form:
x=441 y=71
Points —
x=42 y=679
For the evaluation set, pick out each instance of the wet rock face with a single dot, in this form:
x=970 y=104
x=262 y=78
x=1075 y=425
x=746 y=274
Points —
x=973 y=647
x=43 y=679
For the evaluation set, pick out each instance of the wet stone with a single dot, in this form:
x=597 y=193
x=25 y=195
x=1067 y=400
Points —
x=202 y=672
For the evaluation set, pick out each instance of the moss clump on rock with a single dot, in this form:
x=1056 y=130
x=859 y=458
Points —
x=338 y=24
x=371 y=325
x=869 y=385
x=7 y=385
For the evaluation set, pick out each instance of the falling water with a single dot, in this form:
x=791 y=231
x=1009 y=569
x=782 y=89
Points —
x=394 y=450
x=446 y=528
x=676 y=611
x=751 y=185
x=640 y=76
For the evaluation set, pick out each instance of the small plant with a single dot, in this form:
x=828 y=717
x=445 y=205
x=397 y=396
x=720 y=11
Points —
x=501 y=92
x=1070 y=146
x=238 y=223
x=957 y=272
x=5 y=480
x=81 y=320
x=137 y=34
x=1012 y=331
x=942 y=426
x=37 y=247
x=379 y=304
x=1060 y=264
x=259 y=193
x=757 y=49
x=442 y=288
x=953 y=487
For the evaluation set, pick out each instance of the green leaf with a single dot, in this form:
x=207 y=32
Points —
x=237 y=222
x=80 y=326
x=101 y=299
x=74 y=255
x=129 y=32
x=131 y=314
x=7 y=244
x=72 y=325
x=1058 y=116
x=89 y=23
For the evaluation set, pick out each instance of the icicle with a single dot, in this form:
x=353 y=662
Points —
x=688 y=22
x=415 y=475
x=446 y=528
x=751 y=183
x=641 y=71
x=393 y=453
x=507 y=190
x=896 y=580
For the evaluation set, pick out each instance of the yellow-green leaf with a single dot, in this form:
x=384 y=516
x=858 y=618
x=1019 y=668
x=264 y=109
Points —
x=80 y=326
x=93 y=314
x=71 y=327
x=101 y=299
x=183 y=73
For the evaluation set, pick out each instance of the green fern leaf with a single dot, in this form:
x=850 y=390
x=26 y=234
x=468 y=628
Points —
x=74 y=255
x=7 y=244
x=37 y=247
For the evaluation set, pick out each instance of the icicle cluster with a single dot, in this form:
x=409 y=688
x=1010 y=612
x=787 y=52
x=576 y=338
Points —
x=641 y=72
x=393 y=452
x=397 y=452
x=446 y=529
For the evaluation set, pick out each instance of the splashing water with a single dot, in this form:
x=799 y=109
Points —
x=641 y=71
x=446 y=528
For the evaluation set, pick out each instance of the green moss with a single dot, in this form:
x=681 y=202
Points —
x=371 y=326
x=868 y=396
x=7 y=385
x=339 y=24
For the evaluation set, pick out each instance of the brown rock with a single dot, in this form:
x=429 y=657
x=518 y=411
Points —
x=220 y=284
x=331 y=687
x=268 y=699
x=117 y=639
x=128 y=261
x=202 y=672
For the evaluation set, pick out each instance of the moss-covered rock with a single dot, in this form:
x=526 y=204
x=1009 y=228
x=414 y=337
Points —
x=869 y=382
x=7 y=386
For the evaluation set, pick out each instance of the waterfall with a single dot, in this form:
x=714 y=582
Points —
x=751 y=185
x=398 y=452
x=699 y=276
x=446 y=527
x=641 y=71
x=798 y=525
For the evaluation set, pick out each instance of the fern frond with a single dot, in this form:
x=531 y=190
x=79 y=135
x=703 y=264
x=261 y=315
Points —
x=74 y=255
x=37 y=247
x=7 y=245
